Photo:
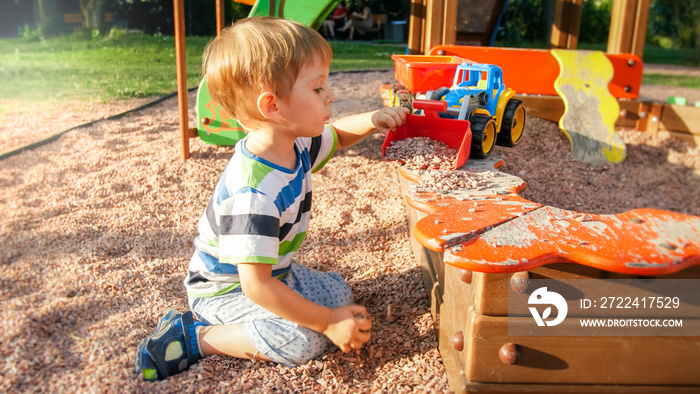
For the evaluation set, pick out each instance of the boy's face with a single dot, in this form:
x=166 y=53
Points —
x=308 y=107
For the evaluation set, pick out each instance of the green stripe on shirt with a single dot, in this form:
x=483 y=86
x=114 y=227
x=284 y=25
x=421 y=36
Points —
x=291 y=246
x=330 y=154
x=254 y=171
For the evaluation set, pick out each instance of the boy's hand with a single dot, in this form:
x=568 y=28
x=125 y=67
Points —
x=348 y=327
x=389 y=118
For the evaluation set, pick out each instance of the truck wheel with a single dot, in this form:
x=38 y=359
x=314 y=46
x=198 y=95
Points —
x=483 y=136
x=514 y=117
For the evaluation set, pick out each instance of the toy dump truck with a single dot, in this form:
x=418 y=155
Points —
x=477 y=94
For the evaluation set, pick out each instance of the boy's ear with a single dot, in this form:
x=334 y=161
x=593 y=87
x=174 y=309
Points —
x=267 y=105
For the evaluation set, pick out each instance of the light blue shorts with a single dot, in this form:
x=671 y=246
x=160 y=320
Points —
x=279 y=340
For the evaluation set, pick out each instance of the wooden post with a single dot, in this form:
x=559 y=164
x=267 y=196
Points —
x=416 y=24
x=433 y=24
x=220 y=12
x=449 y=30
x=628 y=26
x=449 y=25
x=181 y=67
x=567 y=22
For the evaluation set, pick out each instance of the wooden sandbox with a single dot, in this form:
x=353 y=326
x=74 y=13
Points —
x=469 y=294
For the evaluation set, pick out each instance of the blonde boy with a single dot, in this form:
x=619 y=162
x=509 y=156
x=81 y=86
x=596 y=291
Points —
x=250 y=299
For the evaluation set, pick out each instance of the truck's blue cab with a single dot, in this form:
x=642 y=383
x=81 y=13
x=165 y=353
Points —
x=473 y=79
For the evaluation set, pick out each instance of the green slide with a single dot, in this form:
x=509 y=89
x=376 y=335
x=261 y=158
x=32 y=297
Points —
x=214 y=125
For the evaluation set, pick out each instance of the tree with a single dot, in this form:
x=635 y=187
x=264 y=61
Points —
x=93 y=14
x=48 y=17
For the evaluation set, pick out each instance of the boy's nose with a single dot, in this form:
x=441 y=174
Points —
x=330 y=99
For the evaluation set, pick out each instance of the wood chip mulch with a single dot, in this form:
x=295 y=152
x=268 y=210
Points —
x=96 y=231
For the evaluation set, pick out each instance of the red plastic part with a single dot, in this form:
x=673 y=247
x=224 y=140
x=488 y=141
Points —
x=533 y=71
x=422 y=73
x=454 y=133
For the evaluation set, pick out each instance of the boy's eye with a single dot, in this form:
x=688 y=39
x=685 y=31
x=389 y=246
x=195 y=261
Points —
x=318 y=90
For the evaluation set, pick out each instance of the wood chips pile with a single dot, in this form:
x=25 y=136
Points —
x=96 y=232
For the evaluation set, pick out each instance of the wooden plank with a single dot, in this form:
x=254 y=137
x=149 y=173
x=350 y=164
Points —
x=433 y=24
x=491 y=290
x=415 y=27
x=680 y=121
x=181 y=68
x=640 y=28
x=449 y=30
x=579 y=360
x=566 y=24
x=220 y=16
x=545 y=107
x=454 y=329
x=619 y=38
x=628 y=26
x=73 y=18
x=476 y=21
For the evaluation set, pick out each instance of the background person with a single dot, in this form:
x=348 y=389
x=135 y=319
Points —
x=336 y=20
x=359 y=21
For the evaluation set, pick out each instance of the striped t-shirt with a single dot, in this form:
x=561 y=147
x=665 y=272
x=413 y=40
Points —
x=259 y=213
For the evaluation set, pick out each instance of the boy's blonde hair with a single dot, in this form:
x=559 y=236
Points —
x=255 y=55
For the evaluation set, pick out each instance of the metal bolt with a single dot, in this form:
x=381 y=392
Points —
x=631 y=62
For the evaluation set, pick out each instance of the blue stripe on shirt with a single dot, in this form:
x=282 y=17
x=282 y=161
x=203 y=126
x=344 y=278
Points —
x=304 y=206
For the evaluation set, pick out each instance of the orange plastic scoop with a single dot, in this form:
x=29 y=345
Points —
x=454 y=133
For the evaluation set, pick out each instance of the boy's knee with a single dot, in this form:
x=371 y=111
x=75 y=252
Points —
x=305 y=348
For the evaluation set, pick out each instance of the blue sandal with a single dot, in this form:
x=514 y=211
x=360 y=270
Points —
x=171 y=349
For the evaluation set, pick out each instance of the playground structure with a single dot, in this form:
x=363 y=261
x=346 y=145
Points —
x=435 y=27
x=469 y=265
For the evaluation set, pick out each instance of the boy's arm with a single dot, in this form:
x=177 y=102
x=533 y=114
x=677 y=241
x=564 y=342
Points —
x=352 y=129
x=340 y=325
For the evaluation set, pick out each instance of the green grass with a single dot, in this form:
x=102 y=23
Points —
x=356 y=56
x=671 y=80
x=137 y=65
x=127 y=66
x=124 y=67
